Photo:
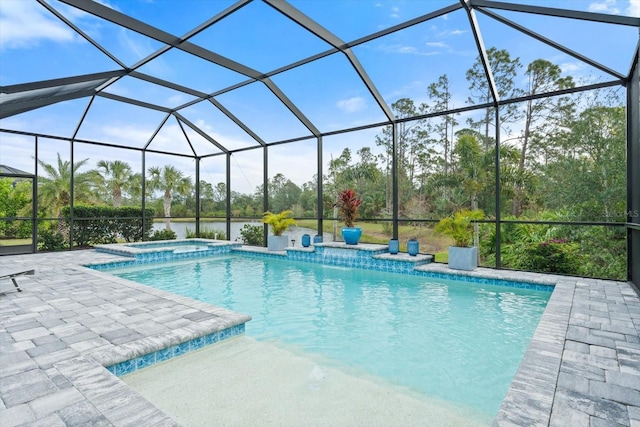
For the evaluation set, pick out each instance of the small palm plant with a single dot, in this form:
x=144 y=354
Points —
x=459 y=226
x=348 y=204
x=279 y=222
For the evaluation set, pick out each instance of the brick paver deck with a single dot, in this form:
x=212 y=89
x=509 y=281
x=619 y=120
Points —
x=581 y=369
x=68 y=323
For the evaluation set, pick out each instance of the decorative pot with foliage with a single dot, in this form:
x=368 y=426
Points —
x=279 y=223
x=348 y=204
x=459 y=226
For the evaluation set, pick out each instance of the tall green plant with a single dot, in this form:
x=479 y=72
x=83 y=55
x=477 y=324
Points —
x=459 y=226
x=279 y=222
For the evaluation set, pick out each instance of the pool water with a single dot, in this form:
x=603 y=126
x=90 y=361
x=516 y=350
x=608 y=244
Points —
x=461 y=342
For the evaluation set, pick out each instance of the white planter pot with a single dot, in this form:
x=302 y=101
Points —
x=277 y=243
x=463 y=258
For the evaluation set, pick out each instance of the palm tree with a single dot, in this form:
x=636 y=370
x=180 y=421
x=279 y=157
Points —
x=115 y=177
x=172 y=181
x=54 y=189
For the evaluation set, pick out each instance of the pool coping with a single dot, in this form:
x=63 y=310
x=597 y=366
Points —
x=134 y=250
x=543 y=392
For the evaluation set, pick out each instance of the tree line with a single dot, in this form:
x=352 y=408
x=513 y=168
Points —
x=562 y=158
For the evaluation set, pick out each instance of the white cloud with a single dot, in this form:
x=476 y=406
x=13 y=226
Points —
x=582 y=74
x=225 y=139
x=437 y=44
x=572 y=68
x=634 y=8
x=131 y=44
x=449 y=33
x=605 y=6
x=406 y=50
x=24 y=24
x=352 y=105
x=124 y=135
x=177 y=99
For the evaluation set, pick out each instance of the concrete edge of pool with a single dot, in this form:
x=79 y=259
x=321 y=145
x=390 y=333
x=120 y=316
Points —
x=51 y=333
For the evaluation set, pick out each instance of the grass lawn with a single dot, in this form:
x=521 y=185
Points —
x=430 y=243
x=15 y=242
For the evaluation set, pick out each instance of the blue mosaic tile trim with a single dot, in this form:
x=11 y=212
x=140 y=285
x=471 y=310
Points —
x=146 y=360
x=486 y=281
x=262 y=254
x=364 y=260
x=356 y=259
x=161 y=256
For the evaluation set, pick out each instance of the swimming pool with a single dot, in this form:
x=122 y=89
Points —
x=461 y=342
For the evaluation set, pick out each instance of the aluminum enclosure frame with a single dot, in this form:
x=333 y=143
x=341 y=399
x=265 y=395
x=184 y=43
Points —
x=17 y=99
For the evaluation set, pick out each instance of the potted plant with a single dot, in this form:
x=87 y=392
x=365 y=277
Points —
x=459 y=226
x=279 y=223
x=348 y=204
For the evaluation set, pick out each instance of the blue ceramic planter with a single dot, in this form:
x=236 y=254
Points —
x=351 y=235
x=317 y=238
x=394 y=246
x=306 y=240
x=412 y=247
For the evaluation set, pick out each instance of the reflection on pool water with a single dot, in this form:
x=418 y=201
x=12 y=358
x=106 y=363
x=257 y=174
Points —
x=458 y=341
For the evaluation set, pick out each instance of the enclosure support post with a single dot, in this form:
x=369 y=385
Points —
x=228 y=179
x=497 y=189
x=394 y=177
x=70 y=199
x=198 y=197
x=34 y=202
x=633 y=173
x=319 y=189
x=265 y=191
x=144 y=196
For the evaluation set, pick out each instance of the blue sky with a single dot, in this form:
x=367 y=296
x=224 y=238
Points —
x=35 y=45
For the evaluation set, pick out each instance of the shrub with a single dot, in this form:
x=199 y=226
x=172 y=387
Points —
x=49 y=240
x=552 y=256
x=206 y=233
x=104 y=224
x=252 y=235
x=130 y=228
x=163 y=235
